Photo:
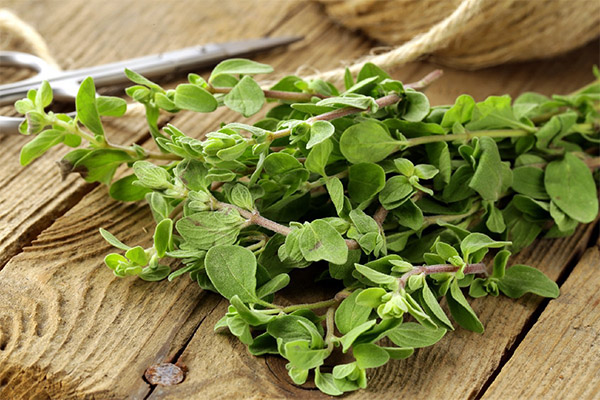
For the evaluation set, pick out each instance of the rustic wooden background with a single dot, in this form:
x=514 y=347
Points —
x=69 y=329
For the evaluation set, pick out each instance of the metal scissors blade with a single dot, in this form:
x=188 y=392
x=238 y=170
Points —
x=65 y=83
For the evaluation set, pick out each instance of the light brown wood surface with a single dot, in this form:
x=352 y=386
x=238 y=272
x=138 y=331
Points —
x=70 y=329
x=560 y=353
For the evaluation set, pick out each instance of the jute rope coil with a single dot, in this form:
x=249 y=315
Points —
x=470 y=33
x=16 y=34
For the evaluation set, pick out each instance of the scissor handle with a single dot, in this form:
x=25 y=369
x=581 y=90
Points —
x=14 y=91
x=26 y=60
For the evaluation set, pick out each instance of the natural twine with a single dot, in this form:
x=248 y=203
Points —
x=17 y=34
x=470 y=34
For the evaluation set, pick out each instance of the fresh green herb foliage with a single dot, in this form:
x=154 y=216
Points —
x=395 y=202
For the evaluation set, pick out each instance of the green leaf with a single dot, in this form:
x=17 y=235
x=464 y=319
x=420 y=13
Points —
x=495 y=113
x=241 y=197
x=274 y=285
x=155 y=274
x=521 y=279
x=24 y=106
x=301 y=356
x=460 y=112
x=137 y=78
x=336 y=192
x=487 y=180
x=495 y=221
x=434 y=306
x=396 y=191
x=426 y=171
x=316 y=161
x=87 y=110
x=263 y=344
x=411 y=334
x=319 y=132
x=194 y=98
x=418 y=106
x=370 y=297
x=287 y=328
x=363 y=222
x=562 y=221
x=100 y=165
x=369 y=69
x=111 y=106
x=206 y=229
x=138 y=255
x=354 y=100
x=349 y=314
x=571 y=187
x=163 y=236
x=477 y=241
x=232 y=270
x=151 y=176
x=409 y=215
x=376 y=276
x=43 y=97
x=399 y=353
x=326 y=383
x=460 y=309
x=124 y=189
x=237 y=66
x=320 y=241
x=40 y=144
x=500 y=261
x=113 y=241
x=369 y=355
x=367 y=142
x=530 y=182
x=246 y=97
x=365 y=180
x=348 y=80
x=458 y=189
x=350 y=337
x=252 y=317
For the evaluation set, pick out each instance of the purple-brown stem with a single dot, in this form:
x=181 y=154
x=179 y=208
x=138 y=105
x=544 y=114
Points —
x=478 y=268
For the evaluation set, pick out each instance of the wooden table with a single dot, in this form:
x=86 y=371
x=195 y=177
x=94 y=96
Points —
x=70 y=329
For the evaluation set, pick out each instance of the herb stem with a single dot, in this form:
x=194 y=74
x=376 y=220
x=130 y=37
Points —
x=75 y=129
x=342 y=112
x=431 y=219
x=275 y=94
x=380 y=216
x=466 y=136
x=478 y=268
x=330 y=327
x=310 y=306
x=255 y=218
x=426 y=80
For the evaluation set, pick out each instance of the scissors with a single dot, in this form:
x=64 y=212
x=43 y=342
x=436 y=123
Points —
x=66 y=83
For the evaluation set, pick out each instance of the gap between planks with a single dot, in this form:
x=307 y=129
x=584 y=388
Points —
x=533 y=319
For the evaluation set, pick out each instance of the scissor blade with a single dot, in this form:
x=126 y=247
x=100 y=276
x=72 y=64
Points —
x=251 y=46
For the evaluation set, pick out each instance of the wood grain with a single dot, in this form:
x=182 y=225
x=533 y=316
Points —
x=69 y=329
x=457 y=367
x=559 y=356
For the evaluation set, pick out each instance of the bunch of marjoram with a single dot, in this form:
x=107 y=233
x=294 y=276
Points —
x=393 y=202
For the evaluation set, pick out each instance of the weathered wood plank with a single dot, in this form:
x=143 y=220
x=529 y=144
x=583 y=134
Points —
x=62 y=313
x=456 y=367
x=560 y=355
x=69 y=328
